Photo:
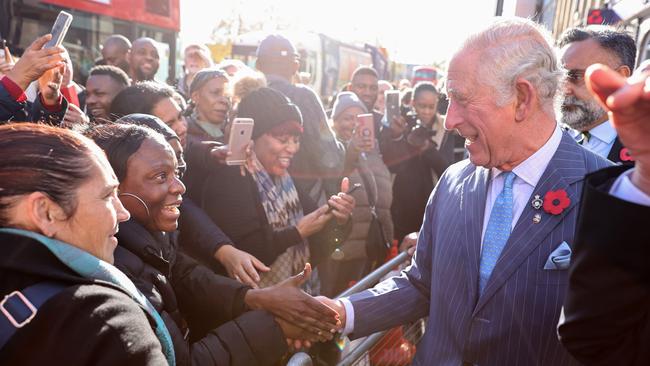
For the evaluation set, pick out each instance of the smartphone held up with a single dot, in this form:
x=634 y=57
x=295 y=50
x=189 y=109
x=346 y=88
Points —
x=366 y=128
x=59 y=29
x=240 y=137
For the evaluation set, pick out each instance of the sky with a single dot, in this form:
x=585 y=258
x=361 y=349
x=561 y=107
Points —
x=413 y=31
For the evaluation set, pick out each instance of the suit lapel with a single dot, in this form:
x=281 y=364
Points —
x=474 y=194
x=565 y=169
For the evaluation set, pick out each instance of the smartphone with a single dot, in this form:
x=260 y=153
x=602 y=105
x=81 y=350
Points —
x=366 y=127
x=59 y=29
x=392 y=105
x=240 y=137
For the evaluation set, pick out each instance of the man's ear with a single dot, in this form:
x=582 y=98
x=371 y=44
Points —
x=525 y=97
x=625 y=71
x=44 y=213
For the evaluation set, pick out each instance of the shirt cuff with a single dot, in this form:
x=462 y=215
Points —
x=624 y=189
x=51 y=108
x=349 y=316
x=14 y=90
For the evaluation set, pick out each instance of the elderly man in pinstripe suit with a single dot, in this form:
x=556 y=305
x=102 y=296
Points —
x=490 y=269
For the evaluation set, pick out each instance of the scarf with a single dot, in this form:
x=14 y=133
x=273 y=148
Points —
x=282 y=207
x=91 y=267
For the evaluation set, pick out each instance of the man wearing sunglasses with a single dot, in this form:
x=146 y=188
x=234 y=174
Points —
x=588 y=121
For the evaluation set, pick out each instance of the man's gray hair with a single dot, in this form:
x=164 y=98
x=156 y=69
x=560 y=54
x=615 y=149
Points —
x=511 y=48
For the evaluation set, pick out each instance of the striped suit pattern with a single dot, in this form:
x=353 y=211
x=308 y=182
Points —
x=514 y=321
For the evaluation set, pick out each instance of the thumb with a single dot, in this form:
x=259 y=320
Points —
x=301 y=277
x=602 y=82
x=40 y=42
x=345 y=185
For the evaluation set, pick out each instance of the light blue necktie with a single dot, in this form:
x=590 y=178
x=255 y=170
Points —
x=497 y=232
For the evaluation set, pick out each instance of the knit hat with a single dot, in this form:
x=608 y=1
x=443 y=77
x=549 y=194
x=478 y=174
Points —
x=150 y=121
x=276 y=46
x=205 y=75
x=270 y=110
x=347 y=100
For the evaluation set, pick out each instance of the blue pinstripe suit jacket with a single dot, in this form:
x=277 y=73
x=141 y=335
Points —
x=514 y=321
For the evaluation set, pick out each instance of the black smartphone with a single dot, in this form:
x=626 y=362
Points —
x=59 y=29
x=354 y=188
x=392 y=105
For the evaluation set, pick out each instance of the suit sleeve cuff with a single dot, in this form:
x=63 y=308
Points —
x=624 y=189
x=14 y=90
x=349 y=316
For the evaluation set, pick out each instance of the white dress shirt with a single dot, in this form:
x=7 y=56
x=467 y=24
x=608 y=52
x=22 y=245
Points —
x=601 y=138
x=528 y=174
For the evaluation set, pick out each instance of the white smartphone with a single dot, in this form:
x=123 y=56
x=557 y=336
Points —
x=59 y=29
x=240 y=136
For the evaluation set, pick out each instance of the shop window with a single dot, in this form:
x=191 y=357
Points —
x=158 y=7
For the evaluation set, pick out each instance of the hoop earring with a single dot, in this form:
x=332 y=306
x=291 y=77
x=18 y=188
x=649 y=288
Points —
x=137 y=198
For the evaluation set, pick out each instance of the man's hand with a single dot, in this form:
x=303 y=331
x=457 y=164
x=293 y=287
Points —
x=240 y=265
x=337 y=305
x=288 y=302
x=628 y=103
x=408 y=243
x=397 y=127
x=49 y=85
x=74 y=116
x=35 y=62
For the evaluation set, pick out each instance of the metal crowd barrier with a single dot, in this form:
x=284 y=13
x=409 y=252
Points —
x=370 y=350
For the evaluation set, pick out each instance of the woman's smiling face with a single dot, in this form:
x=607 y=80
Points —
x=152 y=175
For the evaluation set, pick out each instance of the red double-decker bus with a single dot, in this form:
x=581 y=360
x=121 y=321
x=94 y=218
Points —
x=22 y=21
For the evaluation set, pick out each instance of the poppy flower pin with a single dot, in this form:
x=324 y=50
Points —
x=625 y=155
x=556 y=201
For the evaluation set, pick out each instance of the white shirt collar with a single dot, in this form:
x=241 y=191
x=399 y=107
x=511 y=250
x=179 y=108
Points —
x=604 y=132
x=531 y=169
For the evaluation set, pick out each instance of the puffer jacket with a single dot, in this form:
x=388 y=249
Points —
x=205 y=313
x=90 y=322
x=379 y=186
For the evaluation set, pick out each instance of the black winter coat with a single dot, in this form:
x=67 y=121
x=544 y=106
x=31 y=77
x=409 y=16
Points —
x=233 y=203
x=90 y=322
x=205 y=313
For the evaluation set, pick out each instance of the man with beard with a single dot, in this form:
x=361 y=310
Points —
x=144 y=59
x=103 y=84
x=580 y=111
x=116 y=51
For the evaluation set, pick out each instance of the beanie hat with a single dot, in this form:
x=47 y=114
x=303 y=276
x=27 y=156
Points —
x=347 y=100
x=269 y=109
x=151 y=122
x=202 y=77
x=276 y=46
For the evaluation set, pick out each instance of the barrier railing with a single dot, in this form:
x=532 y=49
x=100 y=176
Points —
x=358 y=354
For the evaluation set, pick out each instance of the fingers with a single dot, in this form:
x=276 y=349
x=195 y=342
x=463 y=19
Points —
x=249 y=271
x=259 y=265
x=345 y=184
x=39 y=42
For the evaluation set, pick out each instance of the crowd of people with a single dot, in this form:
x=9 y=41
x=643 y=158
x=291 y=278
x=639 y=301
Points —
x=128 y=238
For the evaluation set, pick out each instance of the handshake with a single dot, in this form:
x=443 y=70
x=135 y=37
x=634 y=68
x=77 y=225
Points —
x=303 y=319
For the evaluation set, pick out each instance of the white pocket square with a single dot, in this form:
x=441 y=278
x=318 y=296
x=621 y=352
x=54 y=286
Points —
x=560 y=258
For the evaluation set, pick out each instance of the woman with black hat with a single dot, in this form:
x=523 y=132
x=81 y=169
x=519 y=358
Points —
x=261 y=210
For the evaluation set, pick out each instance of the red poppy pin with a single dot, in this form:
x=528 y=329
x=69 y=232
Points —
x=625 y=155
x=556 y=201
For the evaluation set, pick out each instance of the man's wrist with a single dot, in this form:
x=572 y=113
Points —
x=21 y=82
x=254 y=299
